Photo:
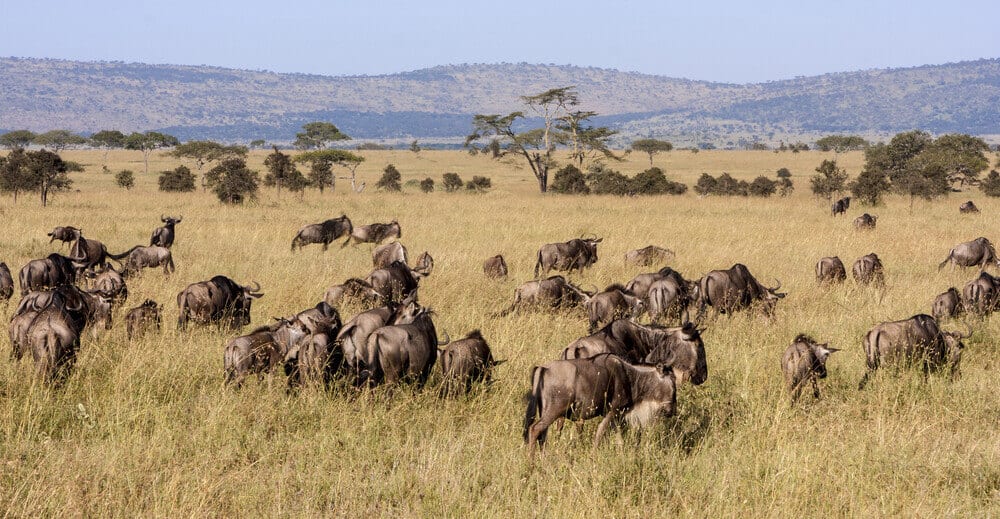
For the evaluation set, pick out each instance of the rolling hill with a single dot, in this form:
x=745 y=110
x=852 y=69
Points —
x=436 y=104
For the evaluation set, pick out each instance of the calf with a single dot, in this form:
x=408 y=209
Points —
x=615 y=302
x=495 y=267
x=947 y=304
x=865 y=221
x=830 y=270
x=968 y=207
x=140 y=318
x=868 y=270
x=604 y=385
x=841 y=206
x=804 y=362
x=465 y=362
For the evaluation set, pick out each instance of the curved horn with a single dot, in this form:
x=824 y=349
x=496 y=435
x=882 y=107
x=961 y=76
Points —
x=968 y=327
x=596 y=288
x=163 y=218
x=778 y=286
x=256 y=287
x=446 y=340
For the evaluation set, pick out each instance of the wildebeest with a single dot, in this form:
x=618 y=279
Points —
x=649 y=255
x=947 y=304
x=868 y=270
x=88 y=253
x=384 y=255
x=164 y=236
x=6 y=282
x=315 y=357
x=804 y=362
x=353 y=339
x=215 y=300
x=53 y=333
x=376 y=232
x=680 y=347
x=830 y=270
x=613 y=303
x=495 y=267
x=52 y=271
x=260 y=351
x=976 y=253
x=64 y=234
x=142 y=317
x=576 y=254
x=405 y=350
x=398 y=281
x=324 y=232
x=640 y=284
x=139 y=257
x=465 y=362
x=841 y=206
x=670 y=296
x=552 y=292
x=735 y=289
x=914 y=340
x=865 y=221
x=605 y=385
x=111 y=283
x=981 y=296
x=968 y=207
x=352 y=291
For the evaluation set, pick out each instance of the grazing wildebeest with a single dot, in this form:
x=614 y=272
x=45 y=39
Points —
x=6 y=282
x=648 y=255
x=215 y=300
x=841 y=206
x=324 y=232
x=353 y=338
x=968 y=207
x=552 y=292
x=865 y=221
x=111 y=283
x=164 y=236
x=397 y=281
x=495 y=267
x=65 y=234
x=605 y=385
x=54 y=339
x=316 y=357
x=52 y=271
x=868 y=270
x=142 y=317
x=465 y=362
x=830 y=270
x=576 y=254
x=947 y=304
x=735 y=289
x=261 y=350
x=87 y=252
x=80 y=306
x=613 y=303
x=139 y=257
x=352 y=291
x=669 y=297
x=804 y=362
x=384 y=255
x=914 y=340
x=406 y=349
x=376 y=232
x=680 y=347
x=640 y=284
x=976 y=253
x=981 y=296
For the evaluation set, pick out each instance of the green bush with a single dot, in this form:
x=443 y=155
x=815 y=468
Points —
x=125 y=179
x=427 y=185
x=569 y=180
x=177 y=180
x=479 y=184
x=452 y=182
x=391 y=179
x=991 y=184
x=763 y=187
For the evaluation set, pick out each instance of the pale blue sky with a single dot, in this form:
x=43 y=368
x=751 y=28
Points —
x=731 y=41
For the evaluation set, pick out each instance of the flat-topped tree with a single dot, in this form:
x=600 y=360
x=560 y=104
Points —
x=651 y=147
x=58 y=140
x=586 y=139
x=147 y=142
x=108 y=140
x=17 y=139
x=207 y=152
x=317 y=135
x=321 y=166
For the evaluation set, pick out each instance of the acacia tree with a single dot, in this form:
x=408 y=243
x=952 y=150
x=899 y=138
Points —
x=17 y=139
x=232 y=181
x=282 y=171
x=586 y=139
x=108 y=140
x=58 y=140
x=317 y=135
x=651 y=147
x=841 y=143
x=206 y=152
x=46 y=173
x=147 y=142
x=321 y=163
x=14 y=172
x=495 y=134
x=829 y=180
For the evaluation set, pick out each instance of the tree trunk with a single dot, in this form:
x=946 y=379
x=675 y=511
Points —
x=145 y=159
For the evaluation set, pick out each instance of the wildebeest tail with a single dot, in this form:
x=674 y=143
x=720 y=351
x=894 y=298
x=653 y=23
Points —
x=534 y=398
x=946 y=260
x=538 y=263
x=124 y=254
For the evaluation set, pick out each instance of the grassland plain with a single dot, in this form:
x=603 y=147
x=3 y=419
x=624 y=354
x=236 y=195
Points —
x=149 y=429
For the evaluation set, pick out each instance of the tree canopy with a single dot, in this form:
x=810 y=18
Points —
x=232 y=181
x=147 y=142
x=317 y=135
x=841 y=143
x=206 y=152
x=651 y=147
x=58 y=140
x=829 y=180
x=17 y=139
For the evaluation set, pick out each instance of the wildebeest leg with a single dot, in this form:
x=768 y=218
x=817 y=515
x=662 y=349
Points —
x=796 y=391
x=815 y=384
x=608 y=422
x=864 y=380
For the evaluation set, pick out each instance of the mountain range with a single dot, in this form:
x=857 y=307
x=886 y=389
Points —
x=437 y=104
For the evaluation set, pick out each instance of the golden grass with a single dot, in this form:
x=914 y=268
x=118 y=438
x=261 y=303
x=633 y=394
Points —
x=148 y=428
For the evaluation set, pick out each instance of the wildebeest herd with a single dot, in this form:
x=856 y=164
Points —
x=626 y=372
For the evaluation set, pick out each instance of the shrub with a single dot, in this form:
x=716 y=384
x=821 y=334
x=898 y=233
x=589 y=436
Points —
x=125 y=179
x=232 y=181
x=991 y=184
x=784 y=173
x=569 y=180
x=706 y=185
x=479 y=184
x=763 y=186
x=391 y=179
x=870 y=186
x=178 y=180
x=604 y=181
x=427 y=185
x=830 y=179
x=654 y=182
x=452 y=182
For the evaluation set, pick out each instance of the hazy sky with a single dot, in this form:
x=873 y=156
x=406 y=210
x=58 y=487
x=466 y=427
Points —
x=731 y=41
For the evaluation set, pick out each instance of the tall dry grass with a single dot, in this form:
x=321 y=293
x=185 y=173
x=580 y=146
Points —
x=148 y=428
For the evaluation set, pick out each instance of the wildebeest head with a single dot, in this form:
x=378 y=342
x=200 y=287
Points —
x=683 y=351
x=425 y=264
x=241 y=317
x=170 y=220
x=953 y=341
